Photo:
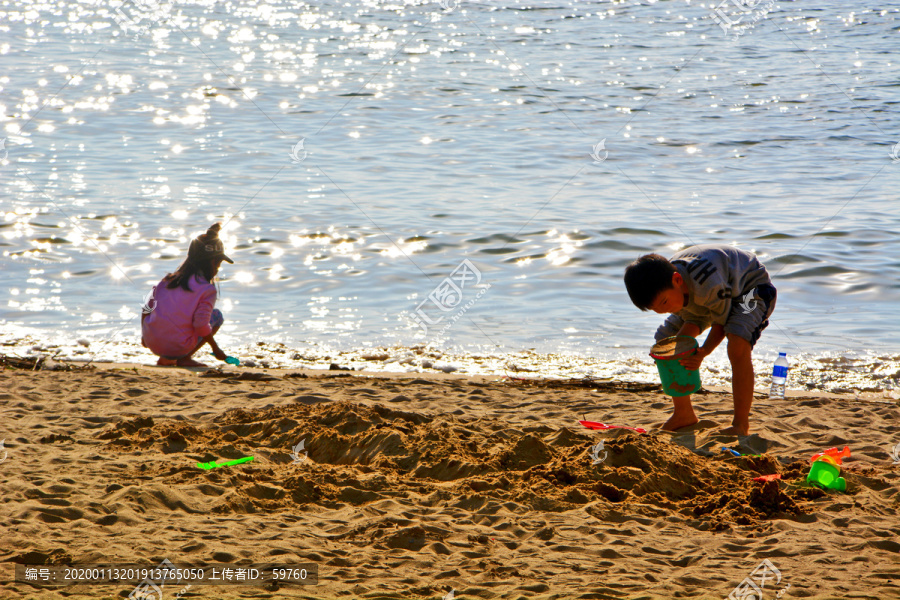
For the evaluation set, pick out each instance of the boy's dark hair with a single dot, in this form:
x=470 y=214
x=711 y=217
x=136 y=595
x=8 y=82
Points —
x=646 y=277
x=203 y=251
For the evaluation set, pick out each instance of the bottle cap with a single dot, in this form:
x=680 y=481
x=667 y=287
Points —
x=782 y=354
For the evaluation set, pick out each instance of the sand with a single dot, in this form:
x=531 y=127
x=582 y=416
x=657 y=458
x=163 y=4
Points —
x=415 y=486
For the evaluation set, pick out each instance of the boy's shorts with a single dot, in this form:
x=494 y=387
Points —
x=744 y=323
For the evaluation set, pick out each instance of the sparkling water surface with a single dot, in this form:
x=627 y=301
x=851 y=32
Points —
x=547 y=143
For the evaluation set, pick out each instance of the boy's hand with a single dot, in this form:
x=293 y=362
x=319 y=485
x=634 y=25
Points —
x=693 y=361
x=220 y=354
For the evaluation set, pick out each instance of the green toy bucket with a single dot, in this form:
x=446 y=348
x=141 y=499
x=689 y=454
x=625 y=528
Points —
x=676 y=380
x=826 y=475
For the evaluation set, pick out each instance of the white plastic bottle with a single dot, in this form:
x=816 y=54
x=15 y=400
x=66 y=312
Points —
x=779 y=376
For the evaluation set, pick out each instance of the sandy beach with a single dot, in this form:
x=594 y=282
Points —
x=413 y=487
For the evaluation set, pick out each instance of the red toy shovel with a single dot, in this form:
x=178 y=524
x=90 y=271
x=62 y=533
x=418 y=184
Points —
x=604 y=426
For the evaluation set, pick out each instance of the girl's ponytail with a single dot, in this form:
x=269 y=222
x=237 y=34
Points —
x=213 y=232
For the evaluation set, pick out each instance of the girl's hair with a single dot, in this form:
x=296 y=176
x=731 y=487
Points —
x=197 y=263
x=186 y=272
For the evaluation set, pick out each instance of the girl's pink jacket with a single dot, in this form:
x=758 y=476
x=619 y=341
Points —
x=179 y=318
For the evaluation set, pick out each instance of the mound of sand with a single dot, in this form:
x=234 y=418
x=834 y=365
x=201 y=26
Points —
x=358 y=454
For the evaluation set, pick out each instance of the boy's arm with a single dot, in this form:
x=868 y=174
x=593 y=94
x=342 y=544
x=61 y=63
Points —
x=714 y=338
x=690 y=329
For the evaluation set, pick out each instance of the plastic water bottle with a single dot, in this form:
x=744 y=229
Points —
x=779 y=376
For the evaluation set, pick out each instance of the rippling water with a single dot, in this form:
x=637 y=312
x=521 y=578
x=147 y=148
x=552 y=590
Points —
x=432 y=136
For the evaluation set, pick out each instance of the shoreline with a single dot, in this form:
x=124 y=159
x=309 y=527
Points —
x=864 y=375
x=226 y=370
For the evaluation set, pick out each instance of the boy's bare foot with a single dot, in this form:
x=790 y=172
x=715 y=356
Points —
x=188 y=362
x=165 y=362
x=679 y=421
x=736 y=430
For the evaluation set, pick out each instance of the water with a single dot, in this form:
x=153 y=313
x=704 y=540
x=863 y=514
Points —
x=431 y=137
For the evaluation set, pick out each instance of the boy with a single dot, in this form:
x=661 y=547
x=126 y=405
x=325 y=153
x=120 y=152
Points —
x=701 y=286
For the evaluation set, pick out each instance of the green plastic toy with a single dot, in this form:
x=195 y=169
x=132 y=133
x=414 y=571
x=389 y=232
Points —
x=827 y=475
x=231 y=360
x=826 y=469
x=213 y=465
x=676 y=380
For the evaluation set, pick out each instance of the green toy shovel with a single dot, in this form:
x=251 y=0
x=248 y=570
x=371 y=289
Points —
x=213 y=465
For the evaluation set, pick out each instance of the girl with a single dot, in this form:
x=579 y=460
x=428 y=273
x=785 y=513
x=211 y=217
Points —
x=178 y=317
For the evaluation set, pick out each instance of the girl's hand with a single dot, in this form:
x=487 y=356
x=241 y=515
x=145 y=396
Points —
x=693 y=361
x=219 y=354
